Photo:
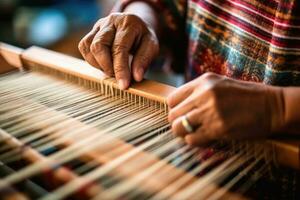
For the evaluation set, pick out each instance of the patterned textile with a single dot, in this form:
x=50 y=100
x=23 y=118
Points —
x=251 y=40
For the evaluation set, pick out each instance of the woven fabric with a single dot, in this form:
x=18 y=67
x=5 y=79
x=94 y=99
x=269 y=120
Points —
x=251 y=40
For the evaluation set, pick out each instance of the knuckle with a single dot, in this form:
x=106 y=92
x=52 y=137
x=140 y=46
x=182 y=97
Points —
x=83 y=47
x=106 y=32
x=209 y=75
x=99 y=22
x=222 y=129
x=130 y=18
x=177 y=128
x=105 y=37
x=170 y=100
x=174 y=128
x=114 y=15
x=172 y=115
x=121 y=19
x=213 y=97
x=132 y=21
x=215 y=90
x=96 y=47
x=118 y=49
x=111 y=19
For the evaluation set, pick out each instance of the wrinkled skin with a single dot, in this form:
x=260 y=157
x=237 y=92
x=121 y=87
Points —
x=113 y=38
x=217 y=107
x=222 y=108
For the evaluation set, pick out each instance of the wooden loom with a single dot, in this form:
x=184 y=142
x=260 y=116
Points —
x=286 y=152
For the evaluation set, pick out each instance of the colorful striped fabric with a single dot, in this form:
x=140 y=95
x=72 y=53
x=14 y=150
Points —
x=251 y=40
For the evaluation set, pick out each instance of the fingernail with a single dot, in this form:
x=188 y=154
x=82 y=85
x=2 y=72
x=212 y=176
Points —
x=140 y=73
x=122 y=84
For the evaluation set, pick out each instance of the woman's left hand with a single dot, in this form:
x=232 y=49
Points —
x=223 y=108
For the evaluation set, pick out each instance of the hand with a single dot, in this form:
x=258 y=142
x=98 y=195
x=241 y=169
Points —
x=113 y=39
x=223 y=108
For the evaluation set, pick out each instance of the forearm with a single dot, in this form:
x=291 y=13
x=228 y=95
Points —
x=146 y=13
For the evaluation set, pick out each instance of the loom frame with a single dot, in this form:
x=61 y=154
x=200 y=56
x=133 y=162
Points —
x=286 y=150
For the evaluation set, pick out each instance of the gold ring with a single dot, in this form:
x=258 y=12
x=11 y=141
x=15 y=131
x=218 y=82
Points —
x=186 y=124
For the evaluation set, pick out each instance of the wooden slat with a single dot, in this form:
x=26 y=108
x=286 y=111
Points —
x=12 y=55
x=35 y=56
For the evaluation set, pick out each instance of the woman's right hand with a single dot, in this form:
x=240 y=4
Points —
x=113 y=38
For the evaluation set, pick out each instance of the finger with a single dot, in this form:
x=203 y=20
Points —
x=184 y=91
x=101 y=48
x=146 y=52
x=178 y=127
x=84 y=47
x=203 y=133
x=182 y=108
x=124 y=40
x=194 y=119
x=180 y=94
x=199 y=137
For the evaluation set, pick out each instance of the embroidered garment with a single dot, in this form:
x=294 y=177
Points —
x=251 y=40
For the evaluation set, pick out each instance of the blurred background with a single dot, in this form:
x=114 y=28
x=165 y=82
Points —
x=59 y=25
x=53 y=24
